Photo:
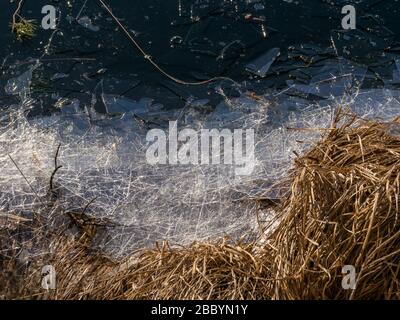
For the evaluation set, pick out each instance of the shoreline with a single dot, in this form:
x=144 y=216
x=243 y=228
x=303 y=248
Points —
x=342 y=210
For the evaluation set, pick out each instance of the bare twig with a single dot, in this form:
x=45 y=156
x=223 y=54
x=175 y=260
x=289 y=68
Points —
x=17 y=13
x=149 y=58
x=87 y=205
x=56 y=168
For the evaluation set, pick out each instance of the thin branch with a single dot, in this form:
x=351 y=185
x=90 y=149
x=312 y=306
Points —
x=87 y=205
x=149 y=58
x=56 y=168
x=17 y=13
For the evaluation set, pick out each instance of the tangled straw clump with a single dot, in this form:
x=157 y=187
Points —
x=24 y=29
x=343 y=209
x=202 y=271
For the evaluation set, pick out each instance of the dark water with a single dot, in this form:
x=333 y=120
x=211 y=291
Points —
x=212 y=38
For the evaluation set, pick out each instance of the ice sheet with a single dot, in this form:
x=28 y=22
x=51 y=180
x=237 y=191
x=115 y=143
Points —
x=103 y=155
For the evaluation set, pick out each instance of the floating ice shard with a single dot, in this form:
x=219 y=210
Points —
x=259 y=6
x=261 y=65
x=117 y=105
x=20 y=85
x=68 y=106
x=57 y=76
x=335 y=78
x=16 y=85
x=199 y=102
x=86 y=22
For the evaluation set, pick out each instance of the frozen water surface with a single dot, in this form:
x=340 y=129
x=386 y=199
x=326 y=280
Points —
x=87 y=90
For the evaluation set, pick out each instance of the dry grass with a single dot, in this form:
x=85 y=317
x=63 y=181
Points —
x=23 y=29
x=343 y=209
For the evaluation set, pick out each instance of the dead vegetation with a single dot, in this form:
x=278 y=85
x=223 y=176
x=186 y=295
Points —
x=343 y=209
x=24 y=29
